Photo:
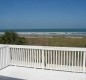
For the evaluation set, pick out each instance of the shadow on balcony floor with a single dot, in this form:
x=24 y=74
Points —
x=8 y=78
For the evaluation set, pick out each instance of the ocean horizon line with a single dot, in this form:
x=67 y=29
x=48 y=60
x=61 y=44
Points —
x=44 y=30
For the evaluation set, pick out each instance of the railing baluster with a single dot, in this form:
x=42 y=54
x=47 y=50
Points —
x=78 y=61
x=69 y=59
x=1 y=58
x=32 y=57
x=35 y=58
x=81 y=57
x=64 y=59
x=51 y=60
x=43 y=66
x=59 y=59
x=39 y=58
x=75 y=61
x=28 y=57
x=56 y=61
x=72 y=60
x=22 y=56
x=48 y=59
x=54 y=58
x=13 y=55
x=84 y=61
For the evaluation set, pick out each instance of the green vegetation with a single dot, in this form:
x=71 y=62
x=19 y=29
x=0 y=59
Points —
x=58 y=41
x=12 y=38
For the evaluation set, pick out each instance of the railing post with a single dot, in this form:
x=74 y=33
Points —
x=43 y=59
x=0 y=58
x=8 y=56
x=4 y=57
x=84 y=61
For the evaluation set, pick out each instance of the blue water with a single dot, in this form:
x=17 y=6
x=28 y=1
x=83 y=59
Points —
x=44 y=30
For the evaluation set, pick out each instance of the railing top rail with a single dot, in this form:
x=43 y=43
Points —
x=3 y=46
x=46 y=47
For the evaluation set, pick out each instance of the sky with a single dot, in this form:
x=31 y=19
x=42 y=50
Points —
x=42 y=14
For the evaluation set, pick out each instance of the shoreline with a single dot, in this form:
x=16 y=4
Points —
x=51 y=34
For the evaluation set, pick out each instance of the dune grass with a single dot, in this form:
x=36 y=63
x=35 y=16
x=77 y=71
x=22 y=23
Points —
x=58 y=41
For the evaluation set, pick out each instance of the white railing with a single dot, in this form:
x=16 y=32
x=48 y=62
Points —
x=4 y=57
x=54 y=58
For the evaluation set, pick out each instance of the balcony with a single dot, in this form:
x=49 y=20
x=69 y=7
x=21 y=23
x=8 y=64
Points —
x=18 y=62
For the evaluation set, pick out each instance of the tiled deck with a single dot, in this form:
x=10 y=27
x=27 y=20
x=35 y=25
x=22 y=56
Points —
x=19 y=73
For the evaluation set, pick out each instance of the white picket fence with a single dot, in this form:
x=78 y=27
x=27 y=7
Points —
x=4 y=57
x=53 y=58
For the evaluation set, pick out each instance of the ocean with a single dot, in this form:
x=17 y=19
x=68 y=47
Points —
x=44 y=30
x=48 y=32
